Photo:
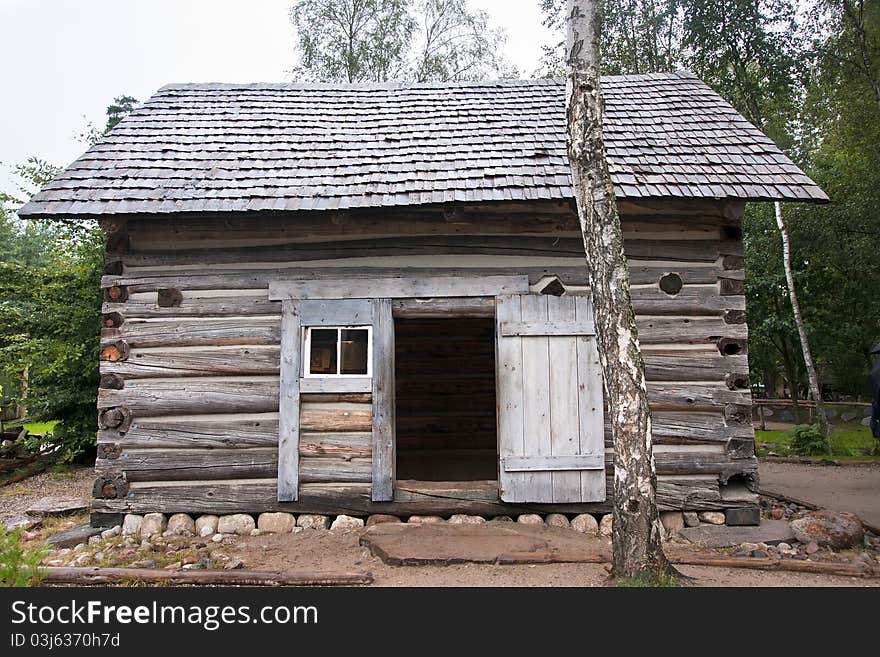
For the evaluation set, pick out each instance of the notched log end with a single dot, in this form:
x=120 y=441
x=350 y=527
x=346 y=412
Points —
x=735 y=317
x=732 y=262
x=736 y=381
x=112 y=320
x=732 y=287
x=118 y=418
x=116 y=293
x=738 y=413
x=110 y=487
x=109 y=450
x=111 y=382
x=114 y=351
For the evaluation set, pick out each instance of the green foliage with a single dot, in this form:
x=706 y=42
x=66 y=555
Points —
x=854 y=443
x=18 y=566
x=384 y=40
x=118 y=110
x=49 y=327
x=807 y=440
x=50 y=305
x=808 y=75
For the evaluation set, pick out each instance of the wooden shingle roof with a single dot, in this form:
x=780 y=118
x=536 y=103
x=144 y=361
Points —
x=239 y=147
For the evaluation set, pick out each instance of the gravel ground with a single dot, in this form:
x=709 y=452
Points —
x=75 y=481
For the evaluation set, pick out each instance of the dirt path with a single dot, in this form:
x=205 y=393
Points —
x=317 y=550
x=73 y=482
x=853 y=488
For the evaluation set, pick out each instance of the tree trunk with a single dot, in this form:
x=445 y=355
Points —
x=637 y=529
x=812 y=376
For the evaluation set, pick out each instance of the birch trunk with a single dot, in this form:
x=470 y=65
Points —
x=812 y=376
x=637 y=530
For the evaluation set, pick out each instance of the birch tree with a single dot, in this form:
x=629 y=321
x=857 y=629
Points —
x=637 y=530
x=812 y=376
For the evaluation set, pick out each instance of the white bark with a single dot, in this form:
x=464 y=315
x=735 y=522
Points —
x=637 y=530
x=812 y=376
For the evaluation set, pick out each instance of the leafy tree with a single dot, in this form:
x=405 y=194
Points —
x=385 y=40
x=638 y=36
x=50 y=304
x=118 y=110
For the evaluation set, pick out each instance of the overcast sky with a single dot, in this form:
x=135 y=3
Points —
x=63 y=61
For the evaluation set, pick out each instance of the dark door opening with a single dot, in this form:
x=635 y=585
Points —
x=445 y=399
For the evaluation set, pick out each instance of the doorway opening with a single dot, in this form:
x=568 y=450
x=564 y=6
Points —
x=445 y=399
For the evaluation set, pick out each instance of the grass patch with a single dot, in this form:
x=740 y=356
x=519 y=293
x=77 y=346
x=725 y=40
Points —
x=663 y=580
x=40 y=428
x=847 y=443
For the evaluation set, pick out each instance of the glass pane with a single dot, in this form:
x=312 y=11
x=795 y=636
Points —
x=354 y=351
x=322 y=359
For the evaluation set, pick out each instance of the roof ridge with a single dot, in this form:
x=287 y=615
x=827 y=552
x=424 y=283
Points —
x=369 y=86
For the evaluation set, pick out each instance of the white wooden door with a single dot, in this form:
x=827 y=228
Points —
x=549 y=395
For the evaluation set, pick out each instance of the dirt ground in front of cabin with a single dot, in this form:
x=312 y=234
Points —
x=324 y=551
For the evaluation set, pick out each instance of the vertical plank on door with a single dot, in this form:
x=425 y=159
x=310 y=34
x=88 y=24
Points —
x=590 y=396
x=288 y=409
x=383 y=401
x=536 y=393
x=564 y=424
x=509 y=397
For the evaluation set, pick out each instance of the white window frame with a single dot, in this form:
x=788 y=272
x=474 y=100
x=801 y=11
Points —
x=307 y=351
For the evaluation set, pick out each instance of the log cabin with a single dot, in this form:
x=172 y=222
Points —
x=374 y=298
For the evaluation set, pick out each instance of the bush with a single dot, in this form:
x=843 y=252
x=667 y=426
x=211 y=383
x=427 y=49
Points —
x=807 y=440
x=18 y=566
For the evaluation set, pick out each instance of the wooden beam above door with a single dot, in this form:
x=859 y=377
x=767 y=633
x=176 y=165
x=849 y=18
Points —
x=399 y=287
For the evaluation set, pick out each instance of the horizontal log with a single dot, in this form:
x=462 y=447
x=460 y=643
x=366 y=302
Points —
x=683 y=427
x=182 y=332
x=174 y=361
x=258 y=495
x=684 y=396
x=551 y=246
x=255 y=463
x=154 y=233
x=649 y=302
x=108 y=576
x=673 y=365
x=217 y=431
x=396 y=287
x=145 y=397
x=692 y=366
x=200 y=232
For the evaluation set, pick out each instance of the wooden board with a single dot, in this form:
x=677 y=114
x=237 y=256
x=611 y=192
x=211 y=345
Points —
x=394 y=288
x=289 y=403
x=383 y=401
x=543 y=424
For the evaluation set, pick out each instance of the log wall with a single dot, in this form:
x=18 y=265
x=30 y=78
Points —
x=188 y=405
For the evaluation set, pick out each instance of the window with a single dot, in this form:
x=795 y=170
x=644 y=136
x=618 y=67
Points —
x=337 y=351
